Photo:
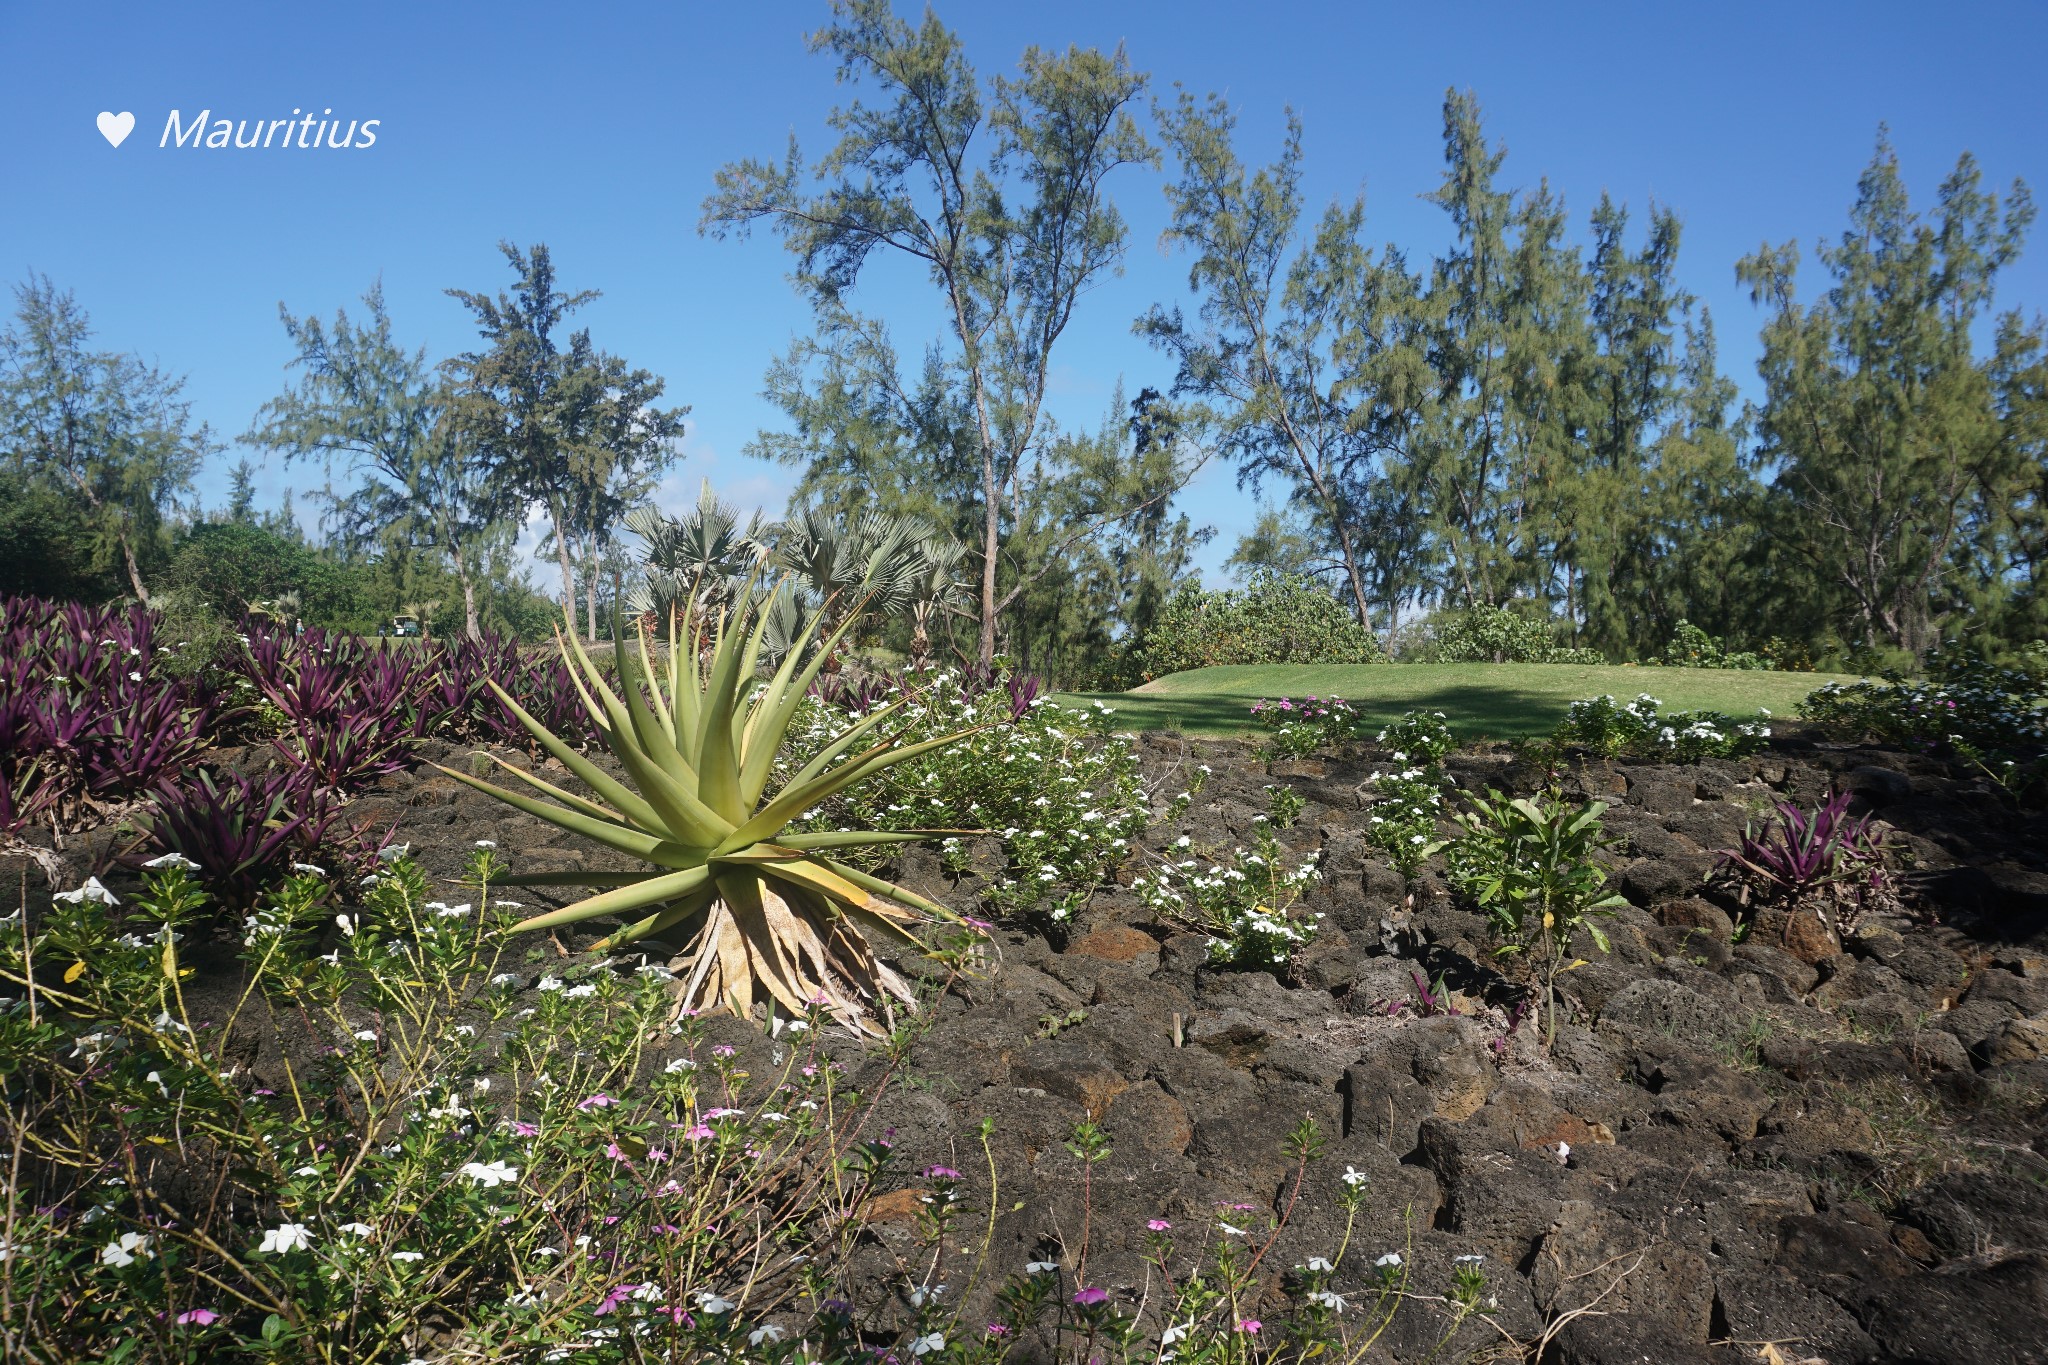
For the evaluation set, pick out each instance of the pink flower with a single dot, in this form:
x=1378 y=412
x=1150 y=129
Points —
x=198 y=1317
x=996 y=1329
x=1250 y=1326
x=1159 y=1225
x=1088 y=1295
x=598 y=1101
x=521 y=1128
x=697 y=1133
x=722 y=1113
x=611 y=1149
x=722 y=1050
x=612 y=1300
x=655 y=1154
x=941 y=1173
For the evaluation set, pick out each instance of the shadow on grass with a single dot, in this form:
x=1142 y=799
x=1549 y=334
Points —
x=1476 y=711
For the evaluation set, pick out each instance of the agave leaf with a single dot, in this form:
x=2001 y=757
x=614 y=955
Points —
x=624 y=899
x=666 y=918
x=891 y=890
x=599 y=781
x=567 y=798
x=765 y=743
x=662 y=712
x=864 y=839
x=625 y=840
x=796 y=798
x=576 y=877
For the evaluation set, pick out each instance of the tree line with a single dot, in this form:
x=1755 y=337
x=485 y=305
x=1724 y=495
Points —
x=1533 y=417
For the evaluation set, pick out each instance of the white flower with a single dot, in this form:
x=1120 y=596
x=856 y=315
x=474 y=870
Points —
x=1564 y=1151
x=584 y=991
x=363 y=1230
x=391 y=853
x=767 y=1331
x=1334 y=1302
x=124 y=1249
x=1320 y=1263
x=492 y=1175
x=287 y=1237
x=487 y=843
x=1354 y=1177
x=1389 y=1261
x=91 y=891
x=1467 y=1260
x=178 y=860
x=347 y=925
x=1040 y=1267
x=506 y=979
x=713 y=1304
x=925 y=1345
x=1229 y=1231
x=408 y=1255
x=549 y=983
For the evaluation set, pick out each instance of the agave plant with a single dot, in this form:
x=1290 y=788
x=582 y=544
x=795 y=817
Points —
x=772 y=911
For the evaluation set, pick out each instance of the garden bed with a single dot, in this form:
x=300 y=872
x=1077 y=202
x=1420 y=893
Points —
x=1839 y=1151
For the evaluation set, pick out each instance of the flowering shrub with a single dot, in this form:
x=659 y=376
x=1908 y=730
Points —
x=1053 y=784
x=1247 y=906
x=1993 y=715
x=1691 y=647
x=1303 y=725
x=1409 y=797
x=1637 y=729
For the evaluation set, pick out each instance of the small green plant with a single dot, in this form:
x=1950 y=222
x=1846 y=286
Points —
x=1403 y=819
x=1247 y=907
x=1529 y=865
x=1284 y=805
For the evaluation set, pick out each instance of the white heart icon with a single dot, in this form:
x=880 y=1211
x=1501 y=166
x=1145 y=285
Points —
x=116 y=127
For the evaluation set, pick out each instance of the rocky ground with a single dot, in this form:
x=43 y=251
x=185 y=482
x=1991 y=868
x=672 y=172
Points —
x=1783 y=1148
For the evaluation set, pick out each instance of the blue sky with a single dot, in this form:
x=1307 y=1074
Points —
x=597 y=129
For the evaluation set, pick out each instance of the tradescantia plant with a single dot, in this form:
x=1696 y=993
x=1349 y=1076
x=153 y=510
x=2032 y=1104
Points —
x=774 y=912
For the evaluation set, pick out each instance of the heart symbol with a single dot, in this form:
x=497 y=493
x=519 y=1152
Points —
x=116 y=127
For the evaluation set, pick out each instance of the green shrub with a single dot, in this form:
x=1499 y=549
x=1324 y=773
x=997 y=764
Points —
x=1691 y=647
x=1529 y=865
x=1277 y=620
x=1499 y=635
x=1247 y=903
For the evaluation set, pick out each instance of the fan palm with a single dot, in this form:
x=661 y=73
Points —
x=773 y=912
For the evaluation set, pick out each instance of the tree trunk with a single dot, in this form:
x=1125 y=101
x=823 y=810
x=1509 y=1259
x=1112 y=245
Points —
x=991 y=524
x=134 y=574
x=568 y=574
x=470 y=627
x=589 y=597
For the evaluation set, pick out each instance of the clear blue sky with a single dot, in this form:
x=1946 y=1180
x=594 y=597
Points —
x=596 y=129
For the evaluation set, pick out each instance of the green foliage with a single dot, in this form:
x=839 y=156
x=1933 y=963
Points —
x=236 y=566
x=1638 y=729
x=1499 y=635
x=1877 y=403
x=45 y=543
x=113 y=434
x=997 y=196
x=1530 y=866
x=1275 y=620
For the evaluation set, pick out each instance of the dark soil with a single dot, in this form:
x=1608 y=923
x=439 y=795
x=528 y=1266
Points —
x=1840 y=1149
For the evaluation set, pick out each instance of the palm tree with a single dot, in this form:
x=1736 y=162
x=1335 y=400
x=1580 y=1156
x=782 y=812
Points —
x=706 y=556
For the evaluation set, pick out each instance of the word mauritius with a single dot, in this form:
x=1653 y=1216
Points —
x=313 y=130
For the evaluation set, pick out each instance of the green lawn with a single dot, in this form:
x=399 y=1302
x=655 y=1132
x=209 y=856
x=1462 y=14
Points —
x=1496 y=701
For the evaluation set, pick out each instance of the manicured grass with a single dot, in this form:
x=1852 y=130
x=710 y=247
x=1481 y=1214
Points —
x=1493 y=701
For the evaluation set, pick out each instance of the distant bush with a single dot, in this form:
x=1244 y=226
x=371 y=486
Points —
x=1277 y=620
x=1498 y=635
x=1692 y=647
x=1638 y=729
